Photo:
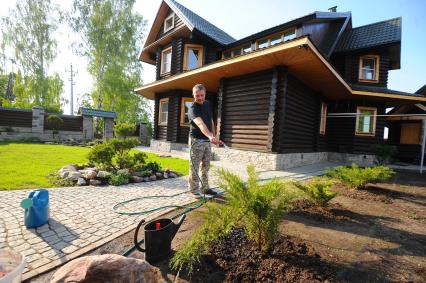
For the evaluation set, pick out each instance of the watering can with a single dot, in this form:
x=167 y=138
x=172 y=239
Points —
x=36 y=208
x=158 y=238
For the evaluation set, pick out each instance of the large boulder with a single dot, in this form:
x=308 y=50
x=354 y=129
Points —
x=90 y=174
x=107 y=268
x=74 y=175
x=136 y=179
x=94 y=182
x=65 y=171
x=103 y=174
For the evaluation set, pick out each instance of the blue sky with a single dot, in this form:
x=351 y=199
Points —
x=240 y=18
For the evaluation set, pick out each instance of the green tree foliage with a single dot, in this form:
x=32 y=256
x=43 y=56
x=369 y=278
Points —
x=28 y=30
x=111 y=37
x=318 y=190
x=124 y=130
x=256 y=207
x=357 y=178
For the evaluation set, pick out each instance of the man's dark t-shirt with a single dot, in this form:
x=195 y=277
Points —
x=203 y=111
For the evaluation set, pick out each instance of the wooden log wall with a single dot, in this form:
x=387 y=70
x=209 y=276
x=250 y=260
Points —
x=178 y=24
x=71 y=123
x=16 y=117
x=245 y=111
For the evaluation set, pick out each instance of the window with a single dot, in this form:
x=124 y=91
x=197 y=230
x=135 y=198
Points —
x=289 y=35
x=193 y=57
x=236 y=52
x=163 y=111
x=323 y=118
x=369 y=68
x=169 y=23
x=246 y=48
x=262 y=43
x=366 y=121
x=166 y=60
x=227 y=55
x=186 y=103
x=276 y=39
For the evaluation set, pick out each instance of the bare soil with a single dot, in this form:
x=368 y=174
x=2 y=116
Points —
x=378 y=238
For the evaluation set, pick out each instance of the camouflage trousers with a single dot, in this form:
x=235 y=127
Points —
x=201 y=154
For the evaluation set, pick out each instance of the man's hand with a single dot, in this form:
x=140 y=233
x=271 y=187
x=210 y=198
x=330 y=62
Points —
x=216 y=141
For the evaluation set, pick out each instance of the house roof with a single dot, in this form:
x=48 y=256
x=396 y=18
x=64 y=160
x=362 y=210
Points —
x=422 y=90
x=383 y=90
x=96 y=113
x=376 y=34
x=196 y=22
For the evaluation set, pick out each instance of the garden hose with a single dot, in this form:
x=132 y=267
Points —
x=186 y=208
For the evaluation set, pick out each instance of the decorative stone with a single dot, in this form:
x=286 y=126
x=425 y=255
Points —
x=81 y=182
x=74 y=175
x=90 y=174
x=153 y=178
x=136 y=179
x=123 y=171
x=103 y=174
x=108 y=268
x=137 y=174
x=146 y=179
x=159 y=175
x=95 y=182
x=173 y=175
x=70 y=167
x=165 y=175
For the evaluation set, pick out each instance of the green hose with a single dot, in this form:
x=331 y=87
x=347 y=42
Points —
x=186 y=208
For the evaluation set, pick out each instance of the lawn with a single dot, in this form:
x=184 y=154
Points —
x=26 y=165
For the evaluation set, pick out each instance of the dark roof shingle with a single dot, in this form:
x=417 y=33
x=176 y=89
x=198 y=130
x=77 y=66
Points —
x=371 y=35
x=97 y=113
x=203 y=25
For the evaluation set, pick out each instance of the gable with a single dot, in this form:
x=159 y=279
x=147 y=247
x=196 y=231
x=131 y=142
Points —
x=178 y=23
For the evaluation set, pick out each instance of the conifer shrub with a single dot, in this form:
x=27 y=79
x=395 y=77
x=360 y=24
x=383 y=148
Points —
x=318 y=190
x=356 y=177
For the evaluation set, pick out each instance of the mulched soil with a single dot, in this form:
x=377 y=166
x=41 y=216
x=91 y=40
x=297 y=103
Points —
x=236 y=259
x=370 y=193
x=306 y=208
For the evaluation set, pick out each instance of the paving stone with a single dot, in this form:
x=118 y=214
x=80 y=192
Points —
x=15 y=231
x=52 y=239
x=60 y=229
x=32 y=258
x=40 y=246
x=43 y=228
x=48 y=233
x=16 y=243
x=34 y=241
x=60 y=245
x=39 y=262
x=69 y=249
x=64 y=234
x=22 y=247
x=28 y=252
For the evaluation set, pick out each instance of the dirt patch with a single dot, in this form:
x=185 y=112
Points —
x=306 y=208
x=367 y=194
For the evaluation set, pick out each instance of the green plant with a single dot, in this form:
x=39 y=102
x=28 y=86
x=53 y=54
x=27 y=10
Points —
x=357 y=178
x=124 y=130
x=318 y=190
x=139 y=159
x=256 y=207
x=117 y=179
x=54 y=122
x=55 y=179
x=384 y=153
x=153 y=166
x=101 y=154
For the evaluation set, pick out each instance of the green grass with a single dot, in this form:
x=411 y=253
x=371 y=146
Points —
x=26 y=165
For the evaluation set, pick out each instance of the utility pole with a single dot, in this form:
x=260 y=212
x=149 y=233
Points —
x=71 y=79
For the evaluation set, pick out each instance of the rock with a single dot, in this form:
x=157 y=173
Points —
x=146 y=179
x=81 y=182
x=103 y=174
x=108 y=268
x=173 y=175
x=90 y=174
x=137 y=174
x=153 y=178
x=74 y=175
x=94 y=182
x=123 y=171
x=159 y=175
x=64 y=174
x=136 y=179
x=165 y=175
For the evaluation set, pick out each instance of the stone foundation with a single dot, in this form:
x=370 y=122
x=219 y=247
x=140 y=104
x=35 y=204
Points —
x=20 y=133
x=272 y=161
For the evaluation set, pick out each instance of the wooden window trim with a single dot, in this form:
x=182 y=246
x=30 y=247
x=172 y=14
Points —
x=374 y=116
x=182 y=110
x=162 y=72
x=376 y=71
x=269 y=37
x=323 y=118
x=185 y=56
x=160 y=103
x=172 y=16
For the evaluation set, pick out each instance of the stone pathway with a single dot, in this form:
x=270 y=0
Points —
x=81 y=219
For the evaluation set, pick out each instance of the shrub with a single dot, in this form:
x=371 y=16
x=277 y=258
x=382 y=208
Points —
x=124 y=130
x=256 y=207
x=357 y=178
x=117 y=179
x=56 y=179
x=101 y=154
x=139 y=160
x=153 y=166
x=318 y=190
x=384 y=153
x=54 y=122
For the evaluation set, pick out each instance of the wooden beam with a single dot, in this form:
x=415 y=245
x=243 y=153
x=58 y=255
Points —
x=272 y=103
x=219 y=107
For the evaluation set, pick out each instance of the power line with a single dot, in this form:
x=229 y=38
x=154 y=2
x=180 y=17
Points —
x=72 y=83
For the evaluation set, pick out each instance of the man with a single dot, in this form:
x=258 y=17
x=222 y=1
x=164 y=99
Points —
x=202 y=133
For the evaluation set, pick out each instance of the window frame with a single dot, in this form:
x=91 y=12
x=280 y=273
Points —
x=163 y=52
x=323 y=118
x=200 y=57
x=281 y=34
x=171 y=16
x=376 y=59
x=160 y=104
x=182 y=110
x=374 y=120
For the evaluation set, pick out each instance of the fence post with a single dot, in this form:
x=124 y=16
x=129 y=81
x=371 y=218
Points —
x=87 y=127
x=143 y=133
x=38 y=120
x=109 y=128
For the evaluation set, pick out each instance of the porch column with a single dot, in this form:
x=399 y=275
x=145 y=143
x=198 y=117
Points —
x=272 y=103
x=88 y=127
x=38 y=120
x=109 y=128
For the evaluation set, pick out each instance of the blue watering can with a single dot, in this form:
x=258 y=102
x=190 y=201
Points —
x=36 y=208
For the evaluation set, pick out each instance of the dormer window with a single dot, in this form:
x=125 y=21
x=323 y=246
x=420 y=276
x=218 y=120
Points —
x=193 y=57
x=369 y=68
x=169 y=22
x=166 y=60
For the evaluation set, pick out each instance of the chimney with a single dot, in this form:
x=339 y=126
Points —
x=332 y=9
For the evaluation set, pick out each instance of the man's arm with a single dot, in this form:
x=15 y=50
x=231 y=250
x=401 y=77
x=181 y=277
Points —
x=203 y=128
